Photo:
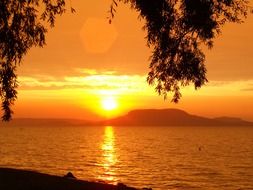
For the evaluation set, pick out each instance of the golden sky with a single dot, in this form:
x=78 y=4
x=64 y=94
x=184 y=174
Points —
x=86 y=60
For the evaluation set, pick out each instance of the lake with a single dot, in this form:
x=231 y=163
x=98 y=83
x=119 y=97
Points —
x=156 y=157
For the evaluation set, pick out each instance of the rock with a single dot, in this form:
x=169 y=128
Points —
x=70 y=175
x=121 y=186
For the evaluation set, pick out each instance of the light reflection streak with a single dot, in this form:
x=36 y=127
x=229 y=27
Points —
x=109 y=158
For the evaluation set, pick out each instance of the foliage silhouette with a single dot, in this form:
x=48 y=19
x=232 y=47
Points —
x=175 y=31
x=23 y=24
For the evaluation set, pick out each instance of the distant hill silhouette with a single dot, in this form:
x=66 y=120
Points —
x=142 y=117
x=44 y=122
x=172 y=117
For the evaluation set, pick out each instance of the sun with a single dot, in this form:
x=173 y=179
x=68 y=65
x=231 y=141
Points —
x=109 y=104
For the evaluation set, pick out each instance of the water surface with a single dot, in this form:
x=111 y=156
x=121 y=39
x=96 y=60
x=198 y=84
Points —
x=157 y=157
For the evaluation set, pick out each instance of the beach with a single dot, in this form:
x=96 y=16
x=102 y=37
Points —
x=17 y=179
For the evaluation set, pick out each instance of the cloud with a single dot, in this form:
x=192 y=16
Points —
x=247 y=89
x=91 y=80
x=222 y=88
x=110 y=82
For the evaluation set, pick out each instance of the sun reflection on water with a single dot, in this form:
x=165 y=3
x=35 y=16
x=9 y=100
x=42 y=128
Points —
x=109 y=156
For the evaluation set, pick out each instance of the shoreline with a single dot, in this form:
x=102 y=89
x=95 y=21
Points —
x=18 y=179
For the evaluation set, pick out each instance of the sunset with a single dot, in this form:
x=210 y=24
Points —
x=89 y=58
x=138 y=94
x=109 y=104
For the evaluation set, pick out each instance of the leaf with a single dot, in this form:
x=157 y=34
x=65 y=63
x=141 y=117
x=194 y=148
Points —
x=73 y=10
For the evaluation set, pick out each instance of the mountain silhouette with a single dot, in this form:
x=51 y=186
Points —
x=172 y=117
x=141 y=117
x=44 y=122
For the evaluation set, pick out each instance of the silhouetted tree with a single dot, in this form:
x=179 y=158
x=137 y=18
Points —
x=175 y=30
x=23 y=24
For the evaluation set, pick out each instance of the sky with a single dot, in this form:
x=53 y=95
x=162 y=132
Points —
x=91 y=69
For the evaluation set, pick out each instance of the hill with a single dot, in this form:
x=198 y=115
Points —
x=172 y=117
x=43 y=122
x=141 y=117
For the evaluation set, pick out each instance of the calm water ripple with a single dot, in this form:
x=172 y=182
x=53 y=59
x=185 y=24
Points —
x=158 y=157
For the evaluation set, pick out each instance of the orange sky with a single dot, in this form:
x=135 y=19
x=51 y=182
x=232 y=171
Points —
x=87 y=60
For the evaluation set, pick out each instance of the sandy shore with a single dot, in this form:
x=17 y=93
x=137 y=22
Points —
x=15 y=179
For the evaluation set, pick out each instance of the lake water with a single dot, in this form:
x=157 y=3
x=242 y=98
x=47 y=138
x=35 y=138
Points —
x=157 y=157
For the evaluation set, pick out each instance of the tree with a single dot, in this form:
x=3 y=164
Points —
x=23 y=24
x=175 y=31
